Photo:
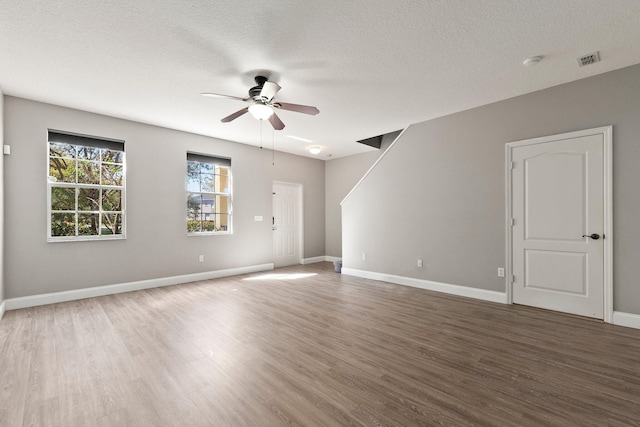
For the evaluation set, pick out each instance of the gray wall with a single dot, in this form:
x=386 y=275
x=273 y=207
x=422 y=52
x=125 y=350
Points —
x=156 y=244
x=341 y=175
x=438 y=193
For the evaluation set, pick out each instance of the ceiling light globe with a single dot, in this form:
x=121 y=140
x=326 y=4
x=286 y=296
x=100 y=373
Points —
x=260 y=111
x=314 y=150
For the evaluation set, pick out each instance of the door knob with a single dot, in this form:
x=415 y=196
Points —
x=593 y=236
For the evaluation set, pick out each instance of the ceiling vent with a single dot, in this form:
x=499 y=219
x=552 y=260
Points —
x=589 y=59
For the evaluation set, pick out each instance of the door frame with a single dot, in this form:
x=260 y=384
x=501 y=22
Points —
x=607 y=133
x=300 y=203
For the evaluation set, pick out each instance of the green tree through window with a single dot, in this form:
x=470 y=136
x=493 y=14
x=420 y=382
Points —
x=86 y=188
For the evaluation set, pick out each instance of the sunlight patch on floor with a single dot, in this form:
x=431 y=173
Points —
x=275 y=276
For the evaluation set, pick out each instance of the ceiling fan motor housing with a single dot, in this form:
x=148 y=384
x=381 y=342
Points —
x=254 y=92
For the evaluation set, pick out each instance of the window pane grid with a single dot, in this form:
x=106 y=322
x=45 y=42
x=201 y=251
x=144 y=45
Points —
x=208 y=197
x=86 y=190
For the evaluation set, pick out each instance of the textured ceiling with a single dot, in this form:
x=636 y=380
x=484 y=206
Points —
x=371 y=67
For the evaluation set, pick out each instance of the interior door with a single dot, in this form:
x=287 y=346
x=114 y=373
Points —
x=286 y=224
x=558 y=224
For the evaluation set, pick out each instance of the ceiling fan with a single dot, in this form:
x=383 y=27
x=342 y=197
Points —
x=263 y=105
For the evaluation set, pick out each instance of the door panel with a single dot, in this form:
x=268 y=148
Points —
x=558 y=196
x=564 y=204
x=563 y=272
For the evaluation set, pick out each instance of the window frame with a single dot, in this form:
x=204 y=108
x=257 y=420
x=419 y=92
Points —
x=92 y=142
x=217 y=162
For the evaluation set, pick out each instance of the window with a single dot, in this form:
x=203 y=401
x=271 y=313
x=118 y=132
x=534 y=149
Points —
x=86 y=186
x=208 y=194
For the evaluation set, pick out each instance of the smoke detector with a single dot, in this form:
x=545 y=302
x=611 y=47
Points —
x=589 y=59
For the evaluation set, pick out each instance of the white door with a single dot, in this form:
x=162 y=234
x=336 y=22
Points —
x=558 y=222
x=286 y=223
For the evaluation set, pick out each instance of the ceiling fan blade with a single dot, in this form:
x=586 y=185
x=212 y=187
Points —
x=269 y=90
x=217 y=95
x=234 y=115
x=306 y=109
x=276 y=122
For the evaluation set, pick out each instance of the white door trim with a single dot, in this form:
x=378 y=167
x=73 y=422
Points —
x=607 y=132
x=300 y=217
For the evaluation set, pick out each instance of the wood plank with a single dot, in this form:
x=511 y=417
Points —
x=303 y=345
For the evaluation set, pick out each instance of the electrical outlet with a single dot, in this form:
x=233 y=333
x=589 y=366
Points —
x=364 y=256
x=500 y=272
x=419 y=263
x=201 y=258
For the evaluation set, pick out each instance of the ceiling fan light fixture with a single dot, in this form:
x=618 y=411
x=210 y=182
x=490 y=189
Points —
x=260 y=111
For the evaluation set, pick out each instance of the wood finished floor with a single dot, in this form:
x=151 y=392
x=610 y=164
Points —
x=315 y=350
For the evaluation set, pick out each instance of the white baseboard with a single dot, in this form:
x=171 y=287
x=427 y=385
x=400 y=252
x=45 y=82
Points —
x=619 y=318
x=463 y=291
x=51 y=298
x=626 y=319
x=3 y=308
x=315 y=259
